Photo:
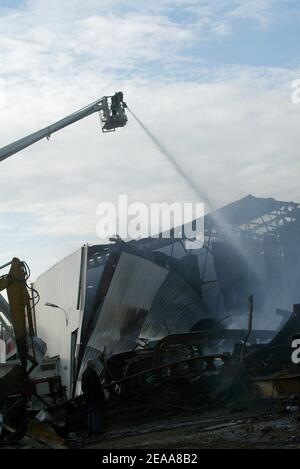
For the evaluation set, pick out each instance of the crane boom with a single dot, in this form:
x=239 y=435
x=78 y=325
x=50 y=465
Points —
x=112 y=115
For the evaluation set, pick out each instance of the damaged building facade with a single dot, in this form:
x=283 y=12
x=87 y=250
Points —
x=120 y=304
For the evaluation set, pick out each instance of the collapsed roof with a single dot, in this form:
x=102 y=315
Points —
x=151 y=287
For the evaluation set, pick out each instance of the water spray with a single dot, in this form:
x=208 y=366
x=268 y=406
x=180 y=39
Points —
x=178 y=168
x=201 y=193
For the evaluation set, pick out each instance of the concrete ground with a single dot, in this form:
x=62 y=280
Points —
x=254 y=427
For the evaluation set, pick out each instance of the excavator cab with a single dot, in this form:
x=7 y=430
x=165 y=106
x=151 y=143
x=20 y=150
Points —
x=112 y=114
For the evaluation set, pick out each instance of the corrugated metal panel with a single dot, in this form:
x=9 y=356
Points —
x=133 y=287
x=175 y=309
x=144 y=300
x=60 y=285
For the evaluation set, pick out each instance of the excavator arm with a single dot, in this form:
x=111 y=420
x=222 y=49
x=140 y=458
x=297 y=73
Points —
x=20 y=308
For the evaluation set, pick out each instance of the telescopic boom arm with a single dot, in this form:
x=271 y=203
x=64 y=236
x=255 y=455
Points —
x=112 y=115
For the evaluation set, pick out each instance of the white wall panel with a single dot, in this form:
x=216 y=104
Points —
x=60 y=285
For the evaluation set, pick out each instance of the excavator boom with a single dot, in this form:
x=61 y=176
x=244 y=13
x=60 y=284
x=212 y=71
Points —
x=20 y=308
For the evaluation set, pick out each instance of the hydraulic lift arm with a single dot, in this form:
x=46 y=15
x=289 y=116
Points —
x=112 y=115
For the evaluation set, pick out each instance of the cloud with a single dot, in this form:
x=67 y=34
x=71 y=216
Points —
x=261 y=11
x=234 y=128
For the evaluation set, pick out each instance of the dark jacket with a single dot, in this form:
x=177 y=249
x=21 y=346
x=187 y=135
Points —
x=91 y=387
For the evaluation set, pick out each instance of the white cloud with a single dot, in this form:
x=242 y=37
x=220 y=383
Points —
x=259 y=10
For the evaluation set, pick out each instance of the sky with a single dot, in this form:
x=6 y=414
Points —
x=212 y=79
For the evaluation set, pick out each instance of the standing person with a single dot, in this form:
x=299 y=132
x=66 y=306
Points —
x=94 y=397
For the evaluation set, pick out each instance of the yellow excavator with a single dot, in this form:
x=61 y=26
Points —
x=21 y=303
x=13 y=385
